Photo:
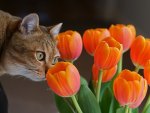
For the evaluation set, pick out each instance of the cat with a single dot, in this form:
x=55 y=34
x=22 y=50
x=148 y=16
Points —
x=27 y=48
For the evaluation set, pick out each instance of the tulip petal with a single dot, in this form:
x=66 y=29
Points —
x=58 y=67
x=73 y=78
x=116 y=32
x=147 y=72
x=136 y=49
x=53 y=83
x=145 y=54
x=115 y=51
x=133 y=30
x=122 y=91
x=123 y=34
x=142 y=94
x=92 y=37
x=69 y=45
x=113 y=58
x=108 y=74
x=107 y=53
x=134 y=88
x=126 y=74
x=101 y=55
x=63 y=79
x=75 y=48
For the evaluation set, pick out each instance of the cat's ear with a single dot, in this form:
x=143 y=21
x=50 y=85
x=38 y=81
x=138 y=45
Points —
x=29 y=23
x=54 y=30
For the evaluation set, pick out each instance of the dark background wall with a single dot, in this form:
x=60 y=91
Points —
x=26 y=96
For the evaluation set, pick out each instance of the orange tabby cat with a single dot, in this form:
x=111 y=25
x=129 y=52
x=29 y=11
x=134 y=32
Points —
x=27 y=48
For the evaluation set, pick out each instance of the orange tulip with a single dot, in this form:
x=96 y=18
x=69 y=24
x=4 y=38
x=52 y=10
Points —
x=63 y=79
x=140 y=51
x=147 y=72
x=107 y=53
x=107 y=74
x=123 y=34
x=69 y=45
x=130 y=88
x=92 y=37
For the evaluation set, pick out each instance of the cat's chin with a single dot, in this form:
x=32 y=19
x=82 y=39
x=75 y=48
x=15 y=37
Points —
x=22 y=71
x=35 y=79
x=26 y=74
x=30 y=77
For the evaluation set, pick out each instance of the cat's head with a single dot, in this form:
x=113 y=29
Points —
x=32 y=49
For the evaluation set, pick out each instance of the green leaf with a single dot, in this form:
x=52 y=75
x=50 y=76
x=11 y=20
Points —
x=114 y=105
x=136 y=110
x=63 y=105
x=91 y=87
x=83 y=81
x=103 y=88
x=106 y=101
x=87 y=100
x=147 y=109
x=120 y=110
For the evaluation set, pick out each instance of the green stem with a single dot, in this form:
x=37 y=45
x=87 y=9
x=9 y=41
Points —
x=146 y=105
x=130 y=110
x=137 y=68
x=99 y=85
x=119 y=69
x=76 y=104
x=126 y=109
x=120 y=65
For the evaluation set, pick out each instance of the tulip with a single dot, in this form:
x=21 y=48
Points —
x=123 y=34
x=92 y=37
x=107 y=53
x=69 y=45
x=147 y=72
x=130 y=88
x=107 y=74
x=64 y=79
x=139 y=52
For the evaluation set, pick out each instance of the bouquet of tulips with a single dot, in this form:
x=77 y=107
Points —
x=111 y=88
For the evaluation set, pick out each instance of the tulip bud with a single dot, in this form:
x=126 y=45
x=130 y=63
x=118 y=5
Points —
x=130 y=88
x=64 y=79
x=139 y=52
x=107 y=53
x=92 y=37
x=69 y=45
x=147 y=72
x=125 y=35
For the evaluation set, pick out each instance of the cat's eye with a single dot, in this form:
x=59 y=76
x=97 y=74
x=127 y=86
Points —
x=55 y=60
x=40 y=55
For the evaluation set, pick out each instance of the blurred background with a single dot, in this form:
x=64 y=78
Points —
x=25 y=96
